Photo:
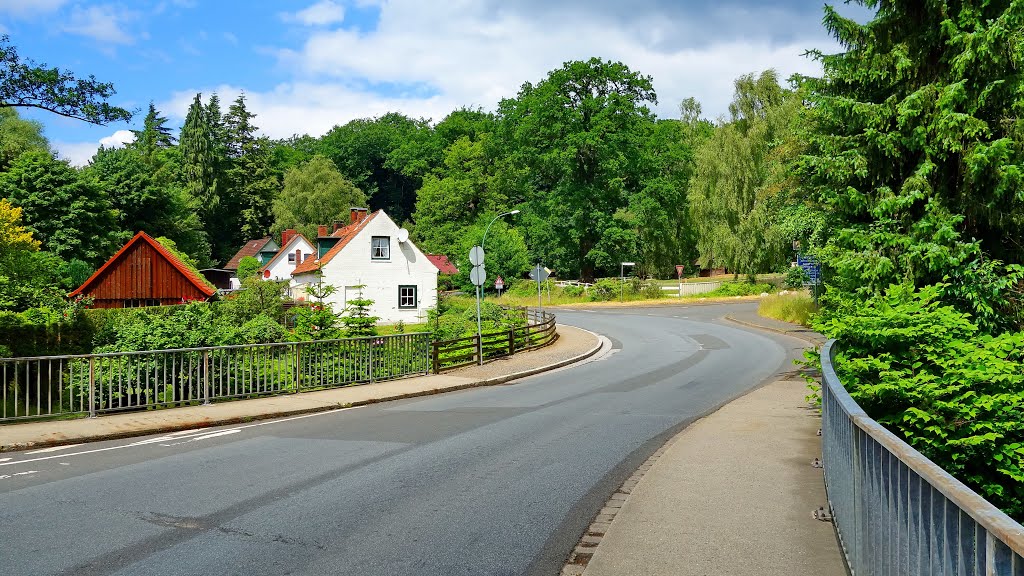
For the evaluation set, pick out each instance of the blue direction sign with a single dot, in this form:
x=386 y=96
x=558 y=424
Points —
x=811 y=266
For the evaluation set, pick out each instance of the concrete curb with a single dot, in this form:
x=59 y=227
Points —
x=801 y=334
x=157 y=428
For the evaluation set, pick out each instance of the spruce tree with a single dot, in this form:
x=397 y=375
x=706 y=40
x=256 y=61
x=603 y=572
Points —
x=199 y=162
x=252 y=181
x=154 y=134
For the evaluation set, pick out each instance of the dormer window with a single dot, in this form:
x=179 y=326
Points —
x=380 y=248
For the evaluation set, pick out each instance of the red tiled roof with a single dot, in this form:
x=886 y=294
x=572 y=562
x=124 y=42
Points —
x=345 y=234
x=443 y=264
x=251 y=248
x=285 y=249
x=191 y=275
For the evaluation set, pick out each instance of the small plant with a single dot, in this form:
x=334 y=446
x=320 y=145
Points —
x=357 y=320
x=796 y=277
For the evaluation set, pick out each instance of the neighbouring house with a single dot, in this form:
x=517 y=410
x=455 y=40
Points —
x=220 y=278
x=263 y=250
x=374 y=252
x=447 y=270
x=295 y=249
x=144 y=273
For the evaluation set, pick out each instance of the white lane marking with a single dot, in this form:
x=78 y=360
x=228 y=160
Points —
x=26 y=473
x=264 y=423
x=5 y=459
x=54 y=449
x=205 y=436
x=183 y=432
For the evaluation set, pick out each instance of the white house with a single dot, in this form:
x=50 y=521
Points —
x=374 y=252
x=295 y=249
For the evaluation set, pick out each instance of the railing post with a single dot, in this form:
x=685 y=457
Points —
x=511 y=341
x=479 y=350
x=436 y=354
x=206 y=377
x=298 y=367
x=92 y=387
x=371 y=359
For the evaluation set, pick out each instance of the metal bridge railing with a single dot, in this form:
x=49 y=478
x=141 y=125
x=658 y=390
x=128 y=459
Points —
x=98 y=383
x=897 y=512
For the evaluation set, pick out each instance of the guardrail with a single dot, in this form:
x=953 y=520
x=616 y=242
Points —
x=897 y=512
x=450 y=354
x=99 y=383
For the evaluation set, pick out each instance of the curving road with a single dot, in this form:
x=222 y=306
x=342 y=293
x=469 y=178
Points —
x=500 y=480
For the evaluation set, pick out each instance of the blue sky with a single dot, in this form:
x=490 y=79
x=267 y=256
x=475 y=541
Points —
x=308 y=65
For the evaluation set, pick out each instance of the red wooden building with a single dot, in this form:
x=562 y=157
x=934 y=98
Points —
x=144 y=273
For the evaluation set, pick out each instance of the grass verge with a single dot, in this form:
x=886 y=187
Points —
x=795 y=307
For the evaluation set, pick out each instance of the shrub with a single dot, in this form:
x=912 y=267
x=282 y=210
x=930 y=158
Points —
x=260 y=330
x=926 y=372
x=605 y=289
x=573 y=291
x=741 y=289
x=796 y=277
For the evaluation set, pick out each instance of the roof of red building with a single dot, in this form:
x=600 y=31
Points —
x=251 y=248
x=187 y=271
x=443 y=264
x=345 y=236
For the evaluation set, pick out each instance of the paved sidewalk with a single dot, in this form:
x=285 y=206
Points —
x=572 y=345
x=730 y=495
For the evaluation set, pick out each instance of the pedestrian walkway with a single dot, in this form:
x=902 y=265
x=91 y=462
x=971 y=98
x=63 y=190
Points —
x=572 y=345
x=732 y=494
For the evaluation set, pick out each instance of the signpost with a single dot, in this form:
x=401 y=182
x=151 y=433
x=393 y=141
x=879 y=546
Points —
x=540 y=274
x=478 y=276
x=499 y=284
x=811 y=266
x=622 y=277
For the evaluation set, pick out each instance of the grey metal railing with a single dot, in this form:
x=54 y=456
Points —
x=98 y=383
x=897 y=512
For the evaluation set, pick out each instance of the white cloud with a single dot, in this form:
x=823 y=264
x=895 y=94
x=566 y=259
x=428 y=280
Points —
x=445 y=55
x=28 y=8
x=80 y=153
x=322 y=13
x=104 y=23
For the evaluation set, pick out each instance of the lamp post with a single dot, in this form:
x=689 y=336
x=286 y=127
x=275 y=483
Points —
x=479 y=289
x=622 y=276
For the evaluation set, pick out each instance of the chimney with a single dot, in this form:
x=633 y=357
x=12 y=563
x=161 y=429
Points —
x=286 y=236
x=321 y=231
x=356 y=215
x=298 y=256
x=338 y=225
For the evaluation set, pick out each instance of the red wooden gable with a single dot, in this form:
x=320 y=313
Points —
x=143 y=273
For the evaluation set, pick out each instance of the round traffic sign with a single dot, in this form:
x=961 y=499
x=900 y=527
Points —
x=476 y=256
x=478 y=275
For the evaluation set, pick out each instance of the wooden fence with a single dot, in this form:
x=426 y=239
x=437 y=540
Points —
x=538 y=331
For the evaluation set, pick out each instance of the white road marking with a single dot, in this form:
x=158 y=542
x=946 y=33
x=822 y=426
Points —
x=5 y=459
x=182 y=432
x=166 y=438
x=54 y=449
x=26 y=473
x=205 y=436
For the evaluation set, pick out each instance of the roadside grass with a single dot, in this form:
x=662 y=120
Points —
x=795 y=307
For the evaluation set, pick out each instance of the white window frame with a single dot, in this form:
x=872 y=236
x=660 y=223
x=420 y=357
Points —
x=374 y=247
x=414 y=296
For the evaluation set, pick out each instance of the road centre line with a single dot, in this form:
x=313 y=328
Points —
x=166 y=438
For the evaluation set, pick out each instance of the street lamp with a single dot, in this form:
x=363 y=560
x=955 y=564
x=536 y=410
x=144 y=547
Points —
x=479 y=288
x=622 y=276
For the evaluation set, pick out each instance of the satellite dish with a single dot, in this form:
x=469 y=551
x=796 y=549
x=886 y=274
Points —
x=403 y=235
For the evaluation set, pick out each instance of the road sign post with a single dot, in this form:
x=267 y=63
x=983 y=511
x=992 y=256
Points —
x=540 y=274
x=499 y=284
x=478 y=275
x=622 y=276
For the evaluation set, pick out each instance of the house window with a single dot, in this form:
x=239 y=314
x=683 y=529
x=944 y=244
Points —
x=406 y=296
x=291 y=257
x=140 y=303
x=380 y=248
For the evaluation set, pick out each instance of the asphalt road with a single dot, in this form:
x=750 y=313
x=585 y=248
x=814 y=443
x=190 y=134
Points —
x=499 y=481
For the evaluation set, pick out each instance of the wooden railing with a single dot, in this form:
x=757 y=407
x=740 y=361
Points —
x=450 y=354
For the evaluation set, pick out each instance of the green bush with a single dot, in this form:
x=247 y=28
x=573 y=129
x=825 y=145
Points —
x=740 y=289
x=573 y=291
x=606 y=289
x=796 y=277
x=260 y=330
x=926 y=372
